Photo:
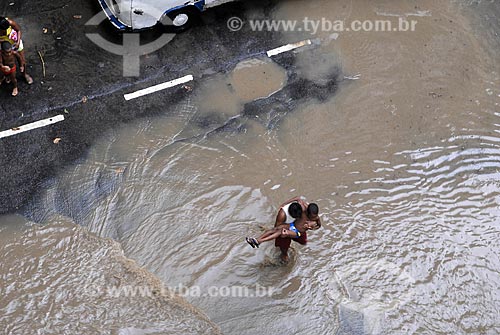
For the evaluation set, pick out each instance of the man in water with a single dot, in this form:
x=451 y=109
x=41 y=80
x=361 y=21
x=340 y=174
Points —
x=309 y=220
x=289 y=229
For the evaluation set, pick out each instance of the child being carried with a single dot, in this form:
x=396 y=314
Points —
x=290 y=230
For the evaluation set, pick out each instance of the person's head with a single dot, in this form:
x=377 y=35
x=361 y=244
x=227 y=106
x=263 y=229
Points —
x=4 y=25
x=6 y=48
x=295 y=210
x=312 y=225
x=312 y=212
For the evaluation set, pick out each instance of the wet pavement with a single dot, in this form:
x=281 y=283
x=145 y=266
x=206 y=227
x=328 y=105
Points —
x=85 y=83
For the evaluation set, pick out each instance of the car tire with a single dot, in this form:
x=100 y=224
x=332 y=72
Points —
x=180 y=20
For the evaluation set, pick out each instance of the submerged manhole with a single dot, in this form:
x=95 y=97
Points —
x=257 y=78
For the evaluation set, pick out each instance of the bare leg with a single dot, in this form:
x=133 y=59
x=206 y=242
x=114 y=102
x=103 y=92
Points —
x=13 y=79
x=270 y=235
x=284 y=256
x=22 y=67
x=284 y=244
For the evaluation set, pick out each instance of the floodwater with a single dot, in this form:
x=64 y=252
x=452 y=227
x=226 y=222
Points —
x=403 y=161
x=52 y=275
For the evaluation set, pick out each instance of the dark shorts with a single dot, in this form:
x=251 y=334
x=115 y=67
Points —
x=284 y=243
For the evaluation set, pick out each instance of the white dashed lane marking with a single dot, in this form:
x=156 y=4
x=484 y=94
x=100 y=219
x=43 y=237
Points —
x=158 y=87
x=143 y=92
x=31 y=126
x=288 y=47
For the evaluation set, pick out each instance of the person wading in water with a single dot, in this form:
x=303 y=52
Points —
x=295 y=217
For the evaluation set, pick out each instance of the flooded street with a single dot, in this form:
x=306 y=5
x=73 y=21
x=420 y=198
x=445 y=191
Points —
x=401 y=153
x=51 y=276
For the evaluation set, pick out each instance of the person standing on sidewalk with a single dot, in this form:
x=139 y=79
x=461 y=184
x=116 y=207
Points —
x=8 y=66
x=10 y=32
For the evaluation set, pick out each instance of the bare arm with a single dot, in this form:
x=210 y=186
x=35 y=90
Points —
x=280 y=218
x=4 y=66
x=318 y=222
x=287 y=233
x=18 y=58
x=280 y=222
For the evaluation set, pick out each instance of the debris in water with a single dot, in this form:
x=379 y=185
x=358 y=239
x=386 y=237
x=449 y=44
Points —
x=57 y=140
x=355 y=77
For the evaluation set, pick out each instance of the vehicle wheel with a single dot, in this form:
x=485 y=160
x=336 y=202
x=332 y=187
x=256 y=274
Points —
x=180 y=20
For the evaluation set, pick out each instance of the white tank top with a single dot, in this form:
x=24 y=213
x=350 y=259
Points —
x=289 y=218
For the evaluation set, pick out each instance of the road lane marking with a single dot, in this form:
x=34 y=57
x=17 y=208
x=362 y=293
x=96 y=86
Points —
x=188 y=78
x=288 y=47
x=158 y=87
x=31 y=126
x=143 y=92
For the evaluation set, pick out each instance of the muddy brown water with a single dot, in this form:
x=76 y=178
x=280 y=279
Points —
x=403 y=162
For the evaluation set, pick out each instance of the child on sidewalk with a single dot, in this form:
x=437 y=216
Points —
x=10 y=31
x=8 y=66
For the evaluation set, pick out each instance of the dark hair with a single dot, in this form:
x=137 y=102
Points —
x=4 y=23
x=312 y=209
x=6 y=46
x=295 y=210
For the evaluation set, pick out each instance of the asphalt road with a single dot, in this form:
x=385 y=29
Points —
x=85 y=83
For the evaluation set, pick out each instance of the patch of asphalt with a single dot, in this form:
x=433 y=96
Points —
x=85 y=83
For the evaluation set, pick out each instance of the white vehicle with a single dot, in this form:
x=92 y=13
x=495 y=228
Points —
x=143 y=14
